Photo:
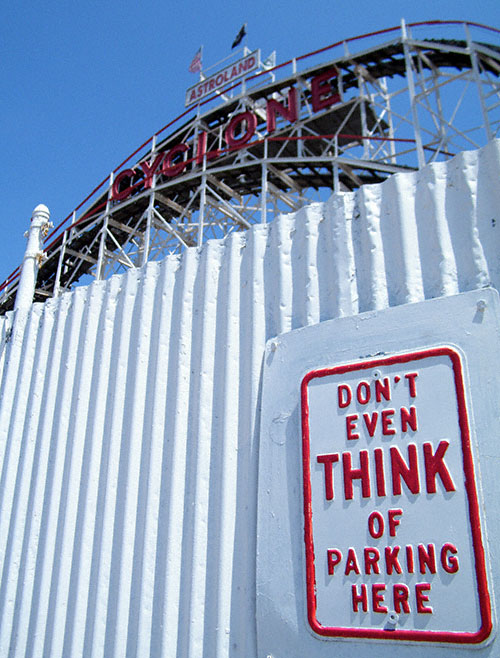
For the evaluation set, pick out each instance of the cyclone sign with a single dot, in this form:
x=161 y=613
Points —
x=392 y=525
x=237 y=133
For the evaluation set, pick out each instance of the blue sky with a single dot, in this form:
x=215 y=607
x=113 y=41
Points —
x=84 y=84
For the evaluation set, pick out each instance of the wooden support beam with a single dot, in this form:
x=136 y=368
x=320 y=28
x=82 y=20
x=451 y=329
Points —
x=78 y=254
x=350 y=174
x=123 y=227
x=283 y=196
x=224 y=187
x=225 y=209
x=288 y=180
x=173 y=205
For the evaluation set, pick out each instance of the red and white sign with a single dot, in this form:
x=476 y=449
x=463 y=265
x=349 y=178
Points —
x=391 y=516
x=219 y=80
x=238 y=133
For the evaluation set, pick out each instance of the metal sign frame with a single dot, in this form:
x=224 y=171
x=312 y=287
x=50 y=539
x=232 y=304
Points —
x=470 y=487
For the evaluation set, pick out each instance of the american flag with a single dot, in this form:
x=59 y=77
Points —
x=195 y=65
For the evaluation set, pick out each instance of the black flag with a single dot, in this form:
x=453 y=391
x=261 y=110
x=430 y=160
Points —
x=239 y=36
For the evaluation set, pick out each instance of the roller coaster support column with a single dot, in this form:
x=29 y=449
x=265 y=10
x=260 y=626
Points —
x=203 y=200
x=263 y=200
x=477 y=77
x=104 y=232
x=413 y=100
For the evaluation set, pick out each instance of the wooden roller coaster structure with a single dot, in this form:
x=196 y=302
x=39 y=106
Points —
x=278 y=139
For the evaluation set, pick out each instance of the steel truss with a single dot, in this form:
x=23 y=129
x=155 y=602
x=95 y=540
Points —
x=404 y=103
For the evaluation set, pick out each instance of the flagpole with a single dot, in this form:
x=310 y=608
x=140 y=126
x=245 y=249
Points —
x=201 y=69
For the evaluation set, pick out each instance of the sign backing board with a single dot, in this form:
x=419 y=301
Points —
x=414 y=462
x=387 y=462
x=223 y=78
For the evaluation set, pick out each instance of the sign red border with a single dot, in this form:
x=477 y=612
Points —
x=482 y=587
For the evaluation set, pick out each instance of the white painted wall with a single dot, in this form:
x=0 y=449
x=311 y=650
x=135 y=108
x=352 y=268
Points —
x=129 y=412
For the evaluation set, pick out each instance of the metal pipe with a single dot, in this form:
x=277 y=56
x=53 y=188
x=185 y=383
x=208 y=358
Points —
x=33 y=257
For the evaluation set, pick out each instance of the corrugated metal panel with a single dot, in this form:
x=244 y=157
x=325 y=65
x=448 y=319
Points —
x=129 y=412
